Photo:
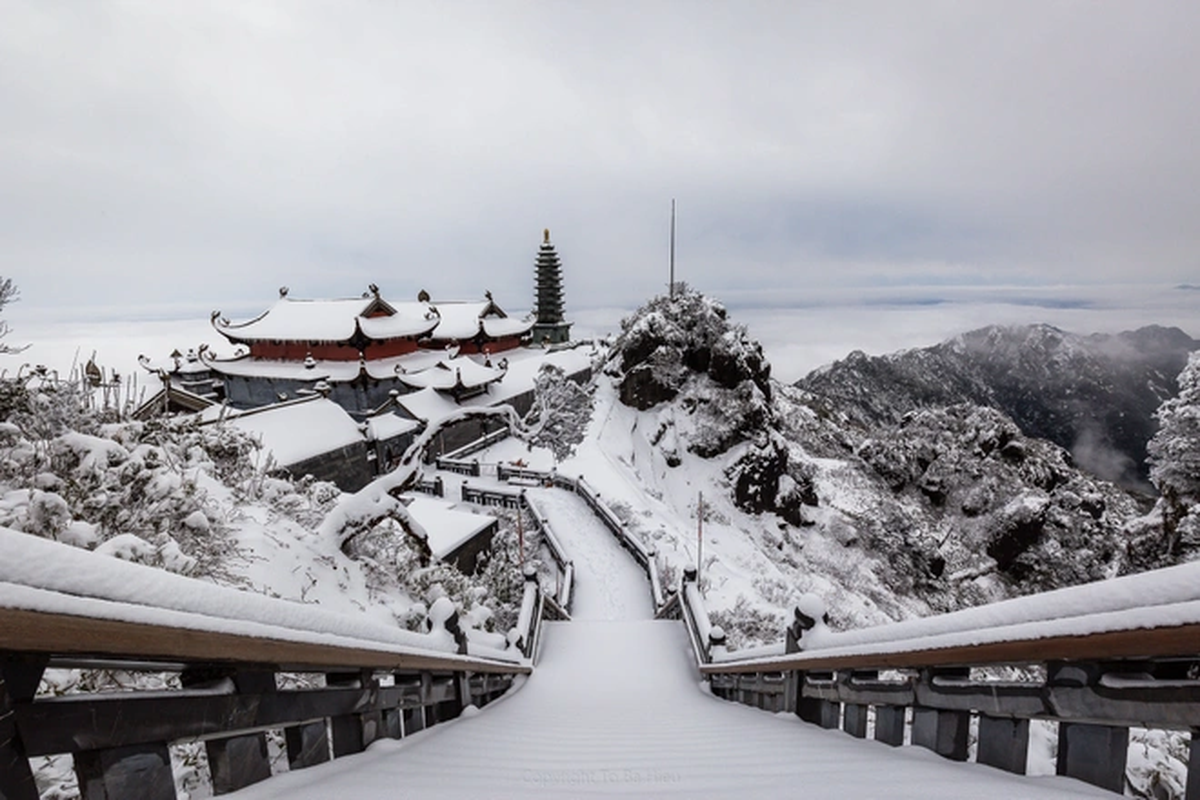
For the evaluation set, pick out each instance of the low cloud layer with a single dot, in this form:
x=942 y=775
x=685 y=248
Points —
x=207 y=153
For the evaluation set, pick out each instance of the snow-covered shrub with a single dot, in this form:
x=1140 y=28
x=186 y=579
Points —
x=748 y=624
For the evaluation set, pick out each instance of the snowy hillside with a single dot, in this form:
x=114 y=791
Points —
x=936 y=510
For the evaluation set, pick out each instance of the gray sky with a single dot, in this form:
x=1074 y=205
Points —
x=190 y=156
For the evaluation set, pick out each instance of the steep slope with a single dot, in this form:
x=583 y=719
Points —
x=1094 y=395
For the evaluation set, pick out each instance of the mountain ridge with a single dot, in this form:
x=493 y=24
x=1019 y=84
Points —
x=1094 y=394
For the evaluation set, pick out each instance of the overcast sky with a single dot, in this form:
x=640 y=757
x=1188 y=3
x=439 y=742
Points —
x=190 y=156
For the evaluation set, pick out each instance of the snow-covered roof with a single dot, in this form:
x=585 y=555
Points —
x=330 y=321
x=388 y=426
x=397 y=325
x=464 y=320
x=300 y=429
x=497 y=327
x=427 y=404
x=447 y=527
x=449 y=373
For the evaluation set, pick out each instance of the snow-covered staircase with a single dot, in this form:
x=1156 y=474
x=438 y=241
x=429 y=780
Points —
x=616 y=707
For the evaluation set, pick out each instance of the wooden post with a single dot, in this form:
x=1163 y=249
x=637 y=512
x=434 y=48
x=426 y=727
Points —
x=307 y=744
x=19 y=681
x=430 y=716
x=855 y=721
x=235 y=761
x=238 y=761
x=944 y=732
x=889 y=724
x=1094 y=754
x=1003 y=743
x=831 y=712
x=142 y=771
x=348 y=729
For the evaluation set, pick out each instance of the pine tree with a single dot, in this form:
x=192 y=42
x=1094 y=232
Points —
x=1175 y=450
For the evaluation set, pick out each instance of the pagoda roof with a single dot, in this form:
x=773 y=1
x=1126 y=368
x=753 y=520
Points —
x=330 y=321
x=464 y=320
x=457 y=373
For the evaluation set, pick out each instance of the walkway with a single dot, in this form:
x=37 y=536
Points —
x=615 y=707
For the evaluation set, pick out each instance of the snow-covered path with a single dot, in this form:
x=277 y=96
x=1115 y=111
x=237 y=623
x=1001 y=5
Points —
x=609 y=584
x=615 y=707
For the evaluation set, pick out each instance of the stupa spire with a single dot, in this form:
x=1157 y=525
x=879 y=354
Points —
x=548 y=298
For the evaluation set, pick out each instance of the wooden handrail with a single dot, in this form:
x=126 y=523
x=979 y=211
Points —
x=57 y=634
x=1163 y=642
x=1110 y=656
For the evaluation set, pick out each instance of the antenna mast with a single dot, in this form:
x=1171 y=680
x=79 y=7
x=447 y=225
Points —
x=671 y=287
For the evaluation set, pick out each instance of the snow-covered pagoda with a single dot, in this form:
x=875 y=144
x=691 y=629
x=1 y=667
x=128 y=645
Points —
x=366 y=327
x=360 y=351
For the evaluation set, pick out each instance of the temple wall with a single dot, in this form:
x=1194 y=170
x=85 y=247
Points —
x=348 y=467
x=297 y=351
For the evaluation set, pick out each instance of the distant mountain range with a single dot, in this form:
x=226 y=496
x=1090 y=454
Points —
x=1093 y=395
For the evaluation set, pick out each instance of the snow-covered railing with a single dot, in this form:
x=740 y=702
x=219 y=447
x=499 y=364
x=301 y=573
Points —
x=707 y=640
x=432 y=486
x=459 y=466
x=63 y=607
x=566 y=567
x=509 y=472
x=528 y=632
x=1108 y=656
x=490 y=497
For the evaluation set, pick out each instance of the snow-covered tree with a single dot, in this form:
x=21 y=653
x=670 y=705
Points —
x=1175 y=449
x=8 y=294
x=560 y=413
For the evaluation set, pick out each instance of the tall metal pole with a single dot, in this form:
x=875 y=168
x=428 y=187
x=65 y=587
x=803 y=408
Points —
x=699 y=537
x=671 y=288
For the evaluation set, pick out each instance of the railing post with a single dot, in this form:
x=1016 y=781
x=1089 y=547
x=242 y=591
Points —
x=1094 y=754
x=854 y=720
x=19 y=681
x=1003 y=743
x=353 y=732
x=716 y=642
x=889 y=724
x=944 y=732
x=140 y=770
x=235 y=761
x=307 y=745
x=429 y=709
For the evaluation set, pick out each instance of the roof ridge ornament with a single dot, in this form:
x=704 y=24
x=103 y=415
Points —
x=283 y=291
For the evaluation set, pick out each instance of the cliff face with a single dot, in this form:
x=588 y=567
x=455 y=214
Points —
x=1093 y=395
